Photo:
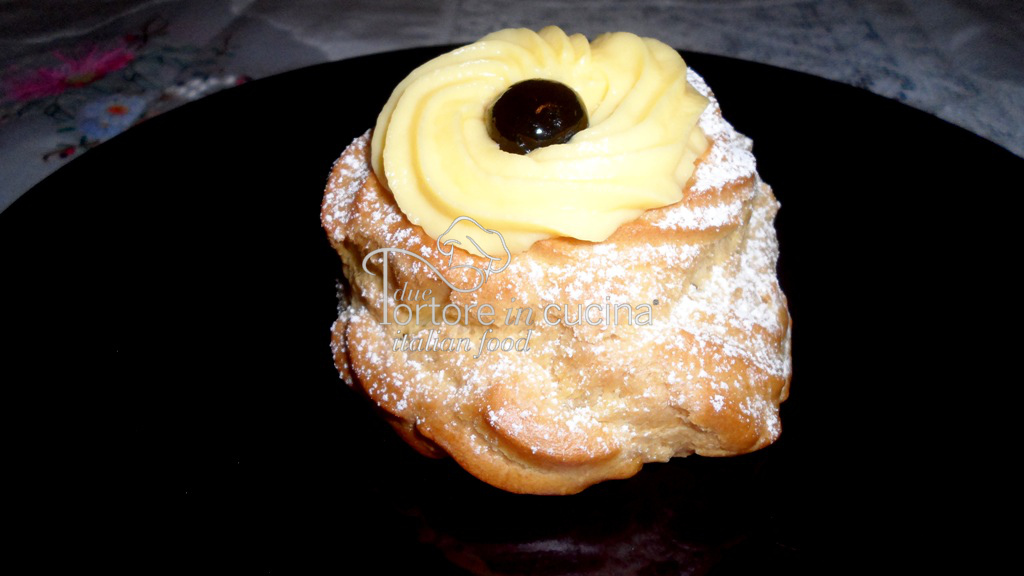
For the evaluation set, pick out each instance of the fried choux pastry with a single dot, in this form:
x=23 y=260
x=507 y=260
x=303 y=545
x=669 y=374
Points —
x=560 y=316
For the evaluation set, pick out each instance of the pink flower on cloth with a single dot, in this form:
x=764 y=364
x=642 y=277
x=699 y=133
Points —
x=72 y=73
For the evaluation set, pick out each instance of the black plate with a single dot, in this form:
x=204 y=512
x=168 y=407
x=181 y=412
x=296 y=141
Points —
x=168 y=298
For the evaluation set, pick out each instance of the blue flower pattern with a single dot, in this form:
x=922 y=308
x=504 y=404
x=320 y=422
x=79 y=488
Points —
x=109 y=116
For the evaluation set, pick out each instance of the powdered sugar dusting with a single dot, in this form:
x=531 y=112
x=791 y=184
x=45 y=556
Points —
x=728 y=162
x=730 y=158
x=735 y=300
x=684 y=217
x=352 y=172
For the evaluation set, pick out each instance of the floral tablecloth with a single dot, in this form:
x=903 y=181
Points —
x=96 y=90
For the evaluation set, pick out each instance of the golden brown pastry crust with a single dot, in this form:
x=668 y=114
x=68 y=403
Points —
x=585 y=403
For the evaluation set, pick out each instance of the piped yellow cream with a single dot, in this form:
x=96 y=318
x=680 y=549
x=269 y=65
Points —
x=431 y=146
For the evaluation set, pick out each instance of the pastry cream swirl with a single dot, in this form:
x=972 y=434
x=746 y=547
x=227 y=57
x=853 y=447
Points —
x=432 y=150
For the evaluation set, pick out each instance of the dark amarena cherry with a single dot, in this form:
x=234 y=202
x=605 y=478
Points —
x=535 y=113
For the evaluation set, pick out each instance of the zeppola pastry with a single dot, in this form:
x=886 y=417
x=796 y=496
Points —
x=560 y=263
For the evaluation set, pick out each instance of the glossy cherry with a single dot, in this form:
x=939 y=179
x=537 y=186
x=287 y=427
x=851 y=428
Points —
x=535 y=113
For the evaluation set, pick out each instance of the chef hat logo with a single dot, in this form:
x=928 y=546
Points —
x=467 y=234
x=464 y=233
